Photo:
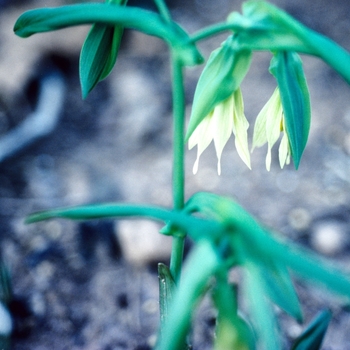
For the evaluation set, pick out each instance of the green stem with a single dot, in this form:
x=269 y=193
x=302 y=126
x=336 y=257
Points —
x=163 y=10
x=207 y=32
x=178 y=161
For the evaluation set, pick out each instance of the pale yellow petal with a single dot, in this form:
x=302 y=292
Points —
x=259 y=135
x=268 y=159
x=288 y=158
x=202 y=136
x=274 y=118
x=268 y=127
x=283 y=151
x=195 y=165
x=196 y=136
x=240 y=127
x=222 y=123
x=265 y=128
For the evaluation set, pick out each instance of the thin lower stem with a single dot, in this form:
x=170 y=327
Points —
x=163 y=10
x=210 y=31
x=178 y=161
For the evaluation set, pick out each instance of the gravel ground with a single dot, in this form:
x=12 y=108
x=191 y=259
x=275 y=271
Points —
x=94 y=285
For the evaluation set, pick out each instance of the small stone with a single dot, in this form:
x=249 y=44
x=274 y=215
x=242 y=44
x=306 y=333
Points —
x=141 y=241
x=150 y=306
x=43 y=274
x=152 y=340
x=5 y=321
x=38 y=304
x=299 y=219
x=294 y=330
x=329 y=237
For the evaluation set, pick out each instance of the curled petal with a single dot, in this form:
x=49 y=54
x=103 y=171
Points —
x=240 y=127
x=227 y=117
x=222 y=75
x=284 y=151
x=263 y=121
x=274 y=118
x=201 y=137
x=223 y=124
x=288 y=71
x=268 y=159
x=259 y=136
x=268 y=125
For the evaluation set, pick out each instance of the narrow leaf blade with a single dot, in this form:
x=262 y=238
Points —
x=312 y=336
x=95 y=55
x=263 y=26
x=279 y=287
x=262 y=315
x=197 y=228
x=288 y=71
x=222 y=75
x=148 y=22
x=232 y=331
x=201 y=264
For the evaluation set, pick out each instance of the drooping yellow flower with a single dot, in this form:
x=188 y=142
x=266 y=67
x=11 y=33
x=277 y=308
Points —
x=268 y=126
x=227 y=117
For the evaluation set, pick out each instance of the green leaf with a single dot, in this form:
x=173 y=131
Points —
x=248 y=241
x=224 y=210
x=197 y=228
x=265 y=27
x=98 y=55
x=222 y=75
x=6 y=293
x=311 y=267
x=232 y=331
x=166 y=292
x=151 y=23
x=201 y=264
x=262 y=315
x=288 y=71
x=256 y=240
x=312 y=336
x=279 y=287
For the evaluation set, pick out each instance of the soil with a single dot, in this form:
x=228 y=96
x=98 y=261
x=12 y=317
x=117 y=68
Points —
x=94 y=285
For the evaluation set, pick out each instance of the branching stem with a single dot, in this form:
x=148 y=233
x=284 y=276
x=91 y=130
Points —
x=178 y=160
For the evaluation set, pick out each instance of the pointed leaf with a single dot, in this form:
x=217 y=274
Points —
x=98 y=55
x=302 y=261
x=288 y=71
x=232 y=331
x=222 y=75
x=47 y=19
x=196 y=227
x=166 y=292
x=263 y=317
x=201 y=264
x=279 y=287
x=263 y=26
x=312 y=336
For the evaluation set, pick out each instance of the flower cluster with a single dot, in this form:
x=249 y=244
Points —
x=228 y=118
x=268 y=127
x=287 y=112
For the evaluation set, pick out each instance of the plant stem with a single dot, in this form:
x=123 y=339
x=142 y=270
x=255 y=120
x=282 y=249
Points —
x=215 y=29
x=163 y=10
x=178 y=161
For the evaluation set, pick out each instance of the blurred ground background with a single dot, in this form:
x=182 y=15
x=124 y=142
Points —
x=94 y=285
